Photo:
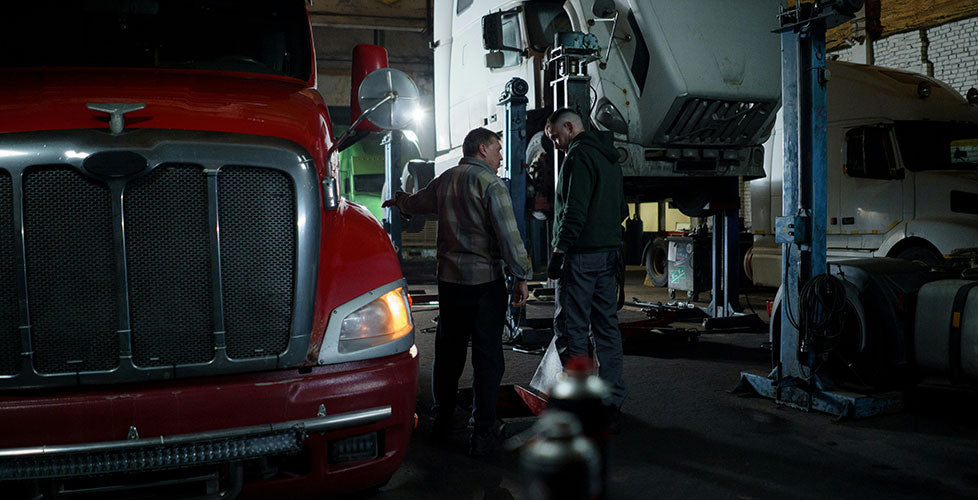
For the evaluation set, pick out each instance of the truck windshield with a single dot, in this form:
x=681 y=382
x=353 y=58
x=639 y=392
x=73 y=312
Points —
x=927 y=145
x=252 y=36
x=543 y=20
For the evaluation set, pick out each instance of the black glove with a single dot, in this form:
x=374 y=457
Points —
x=556 y=265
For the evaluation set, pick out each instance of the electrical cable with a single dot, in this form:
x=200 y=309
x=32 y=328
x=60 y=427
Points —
x=747 y=300
x=786 y=305
x=822 y=309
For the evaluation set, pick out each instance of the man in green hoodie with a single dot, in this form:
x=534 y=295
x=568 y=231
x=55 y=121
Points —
x=589 y=208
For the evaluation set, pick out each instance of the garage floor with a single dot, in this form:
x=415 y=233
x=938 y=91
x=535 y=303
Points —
x=684 y=435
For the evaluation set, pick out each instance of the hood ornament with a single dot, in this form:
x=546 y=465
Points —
x=116 y=111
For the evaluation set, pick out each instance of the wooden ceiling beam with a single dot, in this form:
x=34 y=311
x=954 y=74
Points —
x=395 y=15
x=899 y=16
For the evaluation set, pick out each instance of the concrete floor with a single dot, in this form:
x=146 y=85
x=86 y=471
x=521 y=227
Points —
x=685 y=435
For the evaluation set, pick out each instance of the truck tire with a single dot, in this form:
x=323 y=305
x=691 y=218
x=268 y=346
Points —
x=656 y=262
x=917 y=253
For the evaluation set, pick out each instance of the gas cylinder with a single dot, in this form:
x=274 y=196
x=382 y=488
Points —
x=558 y=462
x=580 y=391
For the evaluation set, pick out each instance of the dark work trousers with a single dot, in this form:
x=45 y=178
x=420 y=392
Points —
x=464 y=312
x=586 y=312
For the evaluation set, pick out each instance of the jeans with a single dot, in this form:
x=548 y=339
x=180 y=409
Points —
x=586 y=313
x=464 y=312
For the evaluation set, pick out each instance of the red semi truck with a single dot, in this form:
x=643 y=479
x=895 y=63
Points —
x=187 y=305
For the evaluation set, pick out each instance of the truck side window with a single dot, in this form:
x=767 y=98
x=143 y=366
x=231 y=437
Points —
x=870 y=155
x=462 y=5
x=930 y=145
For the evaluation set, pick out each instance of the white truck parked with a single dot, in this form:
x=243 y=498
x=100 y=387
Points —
x=902 y=171
x=690 y=89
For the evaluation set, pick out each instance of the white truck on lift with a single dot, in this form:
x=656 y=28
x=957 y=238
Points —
x=902 y=171
x=690 y=89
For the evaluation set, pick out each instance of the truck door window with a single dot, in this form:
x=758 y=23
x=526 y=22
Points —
x=938 y=145
x=870 y=154
x=462 y=5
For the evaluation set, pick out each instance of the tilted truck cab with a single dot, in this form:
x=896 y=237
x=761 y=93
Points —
x=689 y=89
x=186 y=307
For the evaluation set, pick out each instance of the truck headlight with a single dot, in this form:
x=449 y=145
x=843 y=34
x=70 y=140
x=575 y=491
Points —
x=383 y=320
x=609 y=116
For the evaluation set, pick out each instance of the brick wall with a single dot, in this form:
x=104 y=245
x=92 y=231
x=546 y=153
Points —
x=954 y=51
x=902 y=51
x=949 y=51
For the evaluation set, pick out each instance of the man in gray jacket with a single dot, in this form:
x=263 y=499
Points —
x=478 y=243
x=589 y=207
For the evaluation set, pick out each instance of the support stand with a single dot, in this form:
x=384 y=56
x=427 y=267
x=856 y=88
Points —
x=392 y=177
x=794 y=382
x=514 y=100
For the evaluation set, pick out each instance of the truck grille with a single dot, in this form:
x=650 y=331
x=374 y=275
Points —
x=716 y=122
x=168 y=267
x=257 y=241
x=70 y=268
x=9 y=331
x=189 y=269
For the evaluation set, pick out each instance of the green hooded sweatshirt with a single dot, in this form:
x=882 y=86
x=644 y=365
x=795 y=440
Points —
x=589 y=203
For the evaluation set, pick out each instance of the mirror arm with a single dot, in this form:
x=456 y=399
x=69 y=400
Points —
x=506 y=48
x=346 y=134
x=611 y=39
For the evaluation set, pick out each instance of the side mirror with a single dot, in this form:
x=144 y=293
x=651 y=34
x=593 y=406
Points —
x=492 y=31
x=495 y=59
x=389 y=97
x=603 y=8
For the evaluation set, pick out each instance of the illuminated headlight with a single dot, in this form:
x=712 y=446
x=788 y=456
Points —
x=609 y=116
x=386 y=319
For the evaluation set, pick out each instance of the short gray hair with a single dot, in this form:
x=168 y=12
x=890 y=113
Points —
x=477 y=137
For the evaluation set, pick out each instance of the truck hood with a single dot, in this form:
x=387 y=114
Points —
x=55 y=99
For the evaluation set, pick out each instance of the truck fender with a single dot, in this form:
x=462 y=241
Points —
x=893 y=237
x=945 y=234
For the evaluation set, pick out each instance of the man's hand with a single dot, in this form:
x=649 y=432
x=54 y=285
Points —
x=556 y=264
x=520 y=293
x=396 y=200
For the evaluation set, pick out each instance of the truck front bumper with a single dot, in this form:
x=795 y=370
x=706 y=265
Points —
x=323 y=429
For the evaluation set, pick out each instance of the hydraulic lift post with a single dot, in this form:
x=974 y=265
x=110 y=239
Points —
x=514 y=100
x=392 y=178
x=802 y=227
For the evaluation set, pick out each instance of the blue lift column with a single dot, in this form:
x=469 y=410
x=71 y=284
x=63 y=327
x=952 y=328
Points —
x=514 y=143
x=392 y=183
x=802 y=227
